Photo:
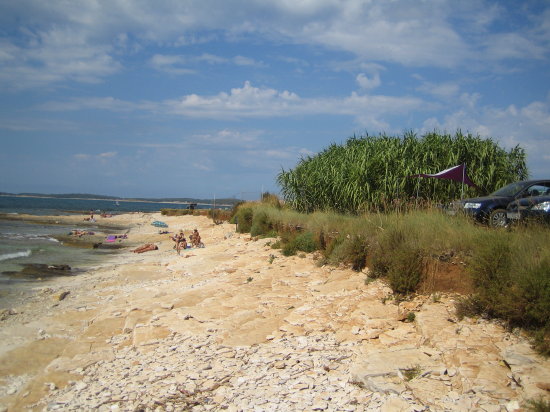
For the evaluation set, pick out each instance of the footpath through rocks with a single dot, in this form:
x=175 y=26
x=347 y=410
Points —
x=237 y=326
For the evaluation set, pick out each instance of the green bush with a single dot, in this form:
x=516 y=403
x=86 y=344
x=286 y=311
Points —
x=261 y=224
x=512 y=282
x=352 y=250
x=218 y=215
x=541 y=340
x=243 y=219
x=271 y=199
x=303 y=242
x=468 y=306
x=406 y=269
x=538 y=405
x=497 y=288
x=387 y=242
x=235 y=209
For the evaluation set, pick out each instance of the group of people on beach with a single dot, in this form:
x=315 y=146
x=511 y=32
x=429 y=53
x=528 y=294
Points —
x=181 y=241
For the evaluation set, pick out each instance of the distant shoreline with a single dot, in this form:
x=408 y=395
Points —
x=118 y=200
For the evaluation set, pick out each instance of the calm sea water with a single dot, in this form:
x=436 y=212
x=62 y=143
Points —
x=55 y=206
x=25 y=243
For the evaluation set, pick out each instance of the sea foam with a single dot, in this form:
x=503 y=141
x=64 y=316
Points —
x=14 y=255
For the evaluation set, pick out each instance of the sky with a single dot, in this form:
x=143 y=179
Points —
x=213 y=98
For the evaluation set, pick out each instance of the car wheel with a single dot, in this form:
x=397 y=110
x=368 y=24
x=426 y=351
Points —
x=497 y=218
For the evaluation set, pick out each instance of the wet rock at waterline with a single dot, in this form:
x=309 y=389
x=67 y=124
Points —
x=41 y=270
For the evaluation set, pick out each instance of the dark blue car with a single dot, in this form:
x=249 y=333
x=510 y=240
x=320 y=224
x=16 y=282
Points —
x=491 y=209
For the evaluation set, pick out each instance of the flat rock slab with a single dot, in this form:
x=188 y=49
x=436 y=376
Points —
x=385 y=371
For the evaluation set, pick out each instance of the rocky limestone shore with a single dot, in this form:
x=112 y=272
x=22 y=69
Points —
x=237 y=326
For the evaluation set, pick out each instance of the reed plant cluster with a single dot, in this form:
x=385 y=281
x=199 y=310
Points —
x=509 y=270
x=372 y=173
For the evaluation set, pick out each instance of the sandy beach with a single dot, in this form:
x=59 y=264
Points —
x=237 y=326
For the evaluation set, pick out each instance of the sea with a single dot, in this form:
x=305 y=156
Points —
x=25 y=244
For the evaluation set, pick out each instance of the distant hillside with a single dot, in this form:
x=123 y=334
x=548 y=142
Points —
x=225 y=201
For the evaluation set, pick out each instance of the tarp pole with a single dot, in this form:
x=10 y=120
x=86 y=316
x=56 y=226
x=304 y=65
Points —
x=417 y=189
x=462 y=186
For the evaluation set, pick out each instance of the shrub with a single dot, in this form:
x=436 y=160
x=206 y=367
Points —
x=303 y=242
x=406 y=269
x=468 y=306
x=271 y=199
x=388 y=242
x=511 y=281
x=491 y=270
x=538 y=405
x=535 y=287
x=260 y=224
x=218 y=215
x=243 y=219
x=541 y=341
x=235 y=208
x=351 y=250
x=411 y=373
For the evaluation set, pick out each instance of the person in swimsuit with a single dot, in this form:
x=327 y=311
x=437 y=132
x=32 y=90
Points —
x=181 y=243
x=145 y=248
x=196 y=239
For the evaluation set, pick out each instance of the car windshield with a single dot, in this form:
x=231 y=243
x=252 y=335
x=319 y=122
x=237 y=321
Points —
x=511 y=189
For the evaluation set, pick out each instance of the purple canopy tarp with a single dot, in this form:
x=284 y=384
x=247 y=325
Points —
x=456 y=173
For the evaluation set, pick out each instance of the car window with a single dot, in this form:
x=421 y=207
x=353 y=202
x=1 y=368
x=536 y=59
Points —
x=538 y=190
x=510 y=190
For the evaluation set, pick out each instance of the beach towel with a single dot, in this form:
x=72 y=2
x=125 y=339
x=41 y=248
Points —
x=159 y=224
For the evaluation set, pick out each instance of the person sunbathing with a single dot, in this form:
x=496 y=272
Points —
x=196 y=242
x=145 y=248
x=181 y=244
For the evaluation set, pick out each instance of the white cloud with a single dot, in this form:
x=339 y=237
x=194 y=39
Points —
x=107 y=155
x=248 y=101
x=59 y=54
x=180 y=64
x=103 y=158
x=368 y=83
x=245 y=61
x=505 y=46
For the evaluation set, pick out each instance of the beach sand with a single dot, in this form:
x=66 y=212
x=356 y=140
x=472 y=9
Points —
x=238 y=326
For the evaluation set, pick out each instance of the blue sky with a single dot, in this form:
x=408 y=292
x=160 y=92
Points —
x=209 y=98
